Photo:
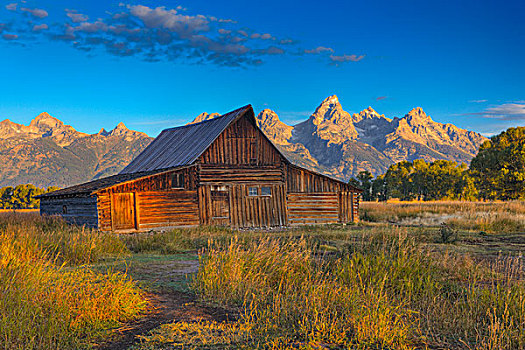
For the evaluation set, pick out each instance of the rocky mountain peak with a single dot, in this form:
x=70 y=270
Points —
x=121 y=129
x=122 y=126
x=6 y=122
x=327 y=109
x=368 y=114
x=45 y=121
x=267 y=116
x=417 y=115
x=103 y=132
x=273 y=127
x=332 y=100
x=330 y=110
x=203 y=117
x=330 y=123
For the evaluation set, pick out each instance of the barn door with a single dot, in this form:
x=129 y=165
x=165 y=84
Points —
x=123 y=211
x=220 y=205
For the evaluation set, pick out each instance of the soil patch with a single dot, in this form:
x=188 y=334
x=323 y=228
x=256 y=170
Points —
x=167 y=303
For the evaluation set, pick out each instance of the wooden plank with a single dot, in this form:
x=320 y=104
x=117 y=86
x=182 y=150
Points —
x=137 y=210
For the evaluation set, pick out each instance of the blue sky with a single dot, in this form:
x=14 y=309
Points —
x=157 y=64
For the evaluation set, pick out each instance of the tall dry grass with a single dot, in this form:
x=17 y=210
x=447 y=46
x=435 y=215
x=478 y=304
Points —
x=47 y=301
x=383 y=292
x=492 y=217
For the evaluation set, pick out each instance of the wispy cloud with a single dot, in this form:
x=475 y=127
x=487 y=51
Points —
x=10 y=36
x=39 y=27
x=478 y=101
x=506 y=111
x=163 y=122
x=346 y=58
x=318 y=50
x=11 y=7
x=381 y=98
x=164 y=34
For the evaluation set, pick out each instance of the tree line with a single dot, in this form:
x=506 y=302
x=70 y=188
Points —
x=22 y=196
x=497 y=172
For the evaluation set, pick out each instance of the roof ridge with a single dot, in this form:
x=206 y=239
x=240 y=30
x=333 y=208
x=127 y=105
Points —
x=209 y=120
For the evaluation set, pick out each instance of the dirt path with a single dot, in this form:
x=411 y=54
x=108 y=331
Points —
x=167 y=304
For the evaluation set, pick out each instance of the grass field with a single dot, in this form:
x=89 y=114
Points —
x=443 y=275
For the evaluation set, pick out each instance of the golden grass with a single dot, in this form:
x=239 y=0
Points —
x=491 y=217
x=382 y=292
x=46 y=305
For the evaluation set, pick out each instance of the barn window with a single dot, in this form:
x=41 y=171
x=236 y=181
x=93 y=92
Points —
x=177 y=180
x=64 y=209
x=252 y=191
x=266 y=191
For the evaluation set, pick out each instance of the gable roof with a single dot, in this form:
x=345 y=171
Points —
x=184 y=144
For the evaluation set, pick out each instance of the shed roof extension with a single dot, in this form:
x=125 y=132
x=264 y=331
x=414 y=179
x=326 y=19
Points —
x=88 y=188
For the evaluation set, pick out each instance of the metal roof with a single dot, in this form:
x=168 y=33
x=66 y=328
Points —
x=182 y=145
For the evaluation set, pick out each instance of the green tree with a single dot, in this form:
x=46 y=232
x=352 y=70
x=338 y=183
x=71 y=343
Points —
x=379 y=188
x=22 y=196
x=499 y=167
x=365 y=182
x=398 y=181
x=354 y=182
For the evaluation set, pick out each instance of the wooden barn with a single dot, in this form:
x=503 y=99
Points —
x=222 y=171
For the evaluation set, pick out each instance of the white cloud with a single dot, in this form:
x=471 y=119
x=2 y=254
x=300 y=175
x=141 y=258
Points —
x=11 y=7
x=38 y=13
x=76 y=17
x=159 y=17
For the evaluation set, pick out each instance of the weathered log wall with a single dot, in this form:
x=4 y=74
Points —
x=304 y=181
x=159 y=182
x=152 y=209
x=344 y=199
x=104 y=211
x=163 y=209
x=313 y=208
x=75 y=210
x=235 y=174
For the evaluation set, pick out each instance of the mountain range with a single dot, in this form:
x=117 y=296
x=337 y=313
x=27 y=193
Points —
x=49 y=153
x=341 y=144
